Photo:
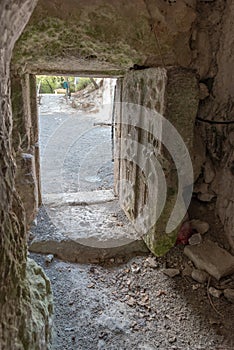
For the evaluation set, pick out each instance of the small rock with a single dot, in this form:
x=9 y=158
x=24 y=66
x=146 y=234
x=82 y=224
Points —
x=151 y=262
x=229 y=294
x=49 y=258
x=200 y=226
x=187 y=271
x=128 y=282
x=195 y=239
x=161 y=292
x=131 y=301
x=205 y=197
x=135 y=268
x=69 y=329
x=144 y=300
x=200 y=276
x=172 y=339
x=171 y=272
x=215 y=292
x=196 y=286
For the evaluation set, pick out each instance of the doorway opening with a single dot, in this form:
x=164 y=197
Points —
x=76 y=141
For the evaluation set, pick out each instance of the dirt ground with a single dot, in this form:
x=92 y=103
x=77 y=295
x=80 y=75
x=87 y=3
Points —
x=134 y=305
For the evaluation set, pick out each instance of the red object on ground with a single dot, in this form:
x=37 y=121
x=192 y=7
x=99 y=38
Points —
x=184 y=234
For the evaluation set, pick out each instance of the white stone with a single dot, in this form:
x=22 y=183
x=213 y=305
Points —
x=49 y=258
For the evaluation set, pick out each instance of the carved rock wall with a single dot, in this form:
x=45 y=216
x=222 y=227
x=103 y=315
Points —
x=21 y=321
x=105 y=35
x=213 y=47
x=25 y=142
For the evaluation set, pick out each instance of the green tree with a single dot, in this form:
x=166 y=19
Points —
x=48 y=83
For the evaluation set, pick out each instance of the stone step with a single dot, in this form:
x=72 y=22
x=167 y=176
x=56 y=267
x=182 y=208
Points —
x=78 y=198
x=85 y=227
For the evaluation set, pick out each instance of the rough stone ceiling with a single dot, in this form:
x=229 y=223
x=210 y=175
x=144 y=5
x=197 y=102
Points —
x=107 y=36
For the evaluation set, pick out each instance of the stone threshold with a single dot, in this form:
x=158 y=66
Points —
x=78 y=198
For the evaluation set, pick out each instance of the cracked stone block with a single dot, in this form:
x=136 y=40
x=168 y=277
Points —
x=209 y=257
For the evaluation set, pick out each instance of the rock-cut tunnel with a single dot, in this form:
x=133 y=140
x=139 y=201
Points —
x=173 y=111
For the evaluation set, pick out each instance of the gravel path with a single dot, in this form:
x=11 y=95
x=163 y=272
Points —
x=135 y=306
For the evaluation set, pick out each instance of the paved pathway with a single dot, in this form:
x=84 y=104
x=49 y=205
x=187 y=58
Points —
x=76 y=155
x=76 y=161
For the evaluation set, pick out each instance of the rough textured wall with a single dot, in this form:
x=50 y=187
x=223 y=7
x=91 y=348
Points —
x=20 y=322
x=213 y=45
x=25 y=142
x=173 y=93
x=106 y=35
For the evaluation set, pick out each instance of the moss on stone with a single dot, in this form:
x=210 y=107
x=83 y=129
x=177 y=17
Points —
x=158 y=241
x=53 y=38
x=165 y=243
